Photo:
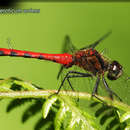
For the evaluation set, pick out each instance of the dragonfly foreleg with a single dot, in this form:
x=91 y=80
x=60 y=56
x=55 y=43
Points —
x=76 y=75
x=95 y=90
x=96 y=86
x=109 y=90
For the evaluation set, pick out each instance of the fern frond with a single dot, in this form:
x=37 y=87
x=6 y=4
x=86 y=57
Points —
x=111 y=116
x=47 y=105
x=60 y=116
x=125 y=116
x=77 y=116
x=127 y=127
x=59 y=111
x=26 y=85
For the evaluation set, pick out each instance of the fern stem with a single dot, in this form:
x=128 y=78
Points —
x=47 y=93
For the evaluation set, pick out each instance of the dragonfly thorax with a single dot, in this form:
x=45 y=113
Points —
x=90 y=60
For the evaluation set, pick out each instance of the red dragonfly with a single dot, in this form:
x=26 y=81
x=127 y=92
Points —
x=87 y=58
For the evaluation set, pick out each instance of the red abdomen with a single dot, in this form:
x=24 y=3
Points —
x=65 y=59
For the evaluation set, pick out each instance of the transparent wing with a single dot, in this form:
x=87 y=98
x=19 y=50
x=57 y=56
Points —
x=78 y=84
x=93 y=45
x=68 y=47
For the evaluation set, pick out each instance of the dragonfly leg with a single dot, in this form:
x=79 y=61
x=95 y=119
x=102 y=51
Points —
x=76 y=75
x=109 y=90
x=95 y=90
x=60 y=71
x=96 y=86
x=70 y=83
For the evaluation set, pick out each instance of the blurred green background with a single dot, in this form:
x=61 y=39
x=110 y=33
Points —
x=45 y=32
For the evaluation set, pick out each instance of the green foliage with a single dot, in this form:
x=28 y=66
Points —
x=60 y=112
x=77 y=116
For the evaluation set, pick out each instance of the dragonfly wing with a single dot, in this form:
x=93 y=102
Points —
x=60 y=71
x=68 y=47
x=93 y=45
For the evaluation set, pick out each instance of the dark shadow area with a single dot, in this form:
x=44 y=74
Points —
x=76 y=0
x=17 y=87
x=17 y=103
x=8 y=3
x=13 y=3
x=31 y=111
x=109 y=117
x=41 y=123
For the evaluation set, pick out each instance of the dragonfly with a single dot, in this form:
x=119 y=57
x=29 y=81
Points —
x=87 y=58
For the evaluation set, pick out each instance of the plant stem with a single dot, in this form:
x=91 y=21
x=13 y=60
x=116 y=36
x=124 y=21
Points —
x=47 y=93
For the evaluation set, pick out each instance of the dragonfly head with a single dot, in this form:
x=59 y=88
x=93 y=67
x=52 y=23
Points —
x=114 y=70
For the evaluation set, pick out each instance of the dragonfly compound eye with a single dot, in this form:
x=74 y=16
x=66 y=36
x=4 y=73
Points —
x=114 y=71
